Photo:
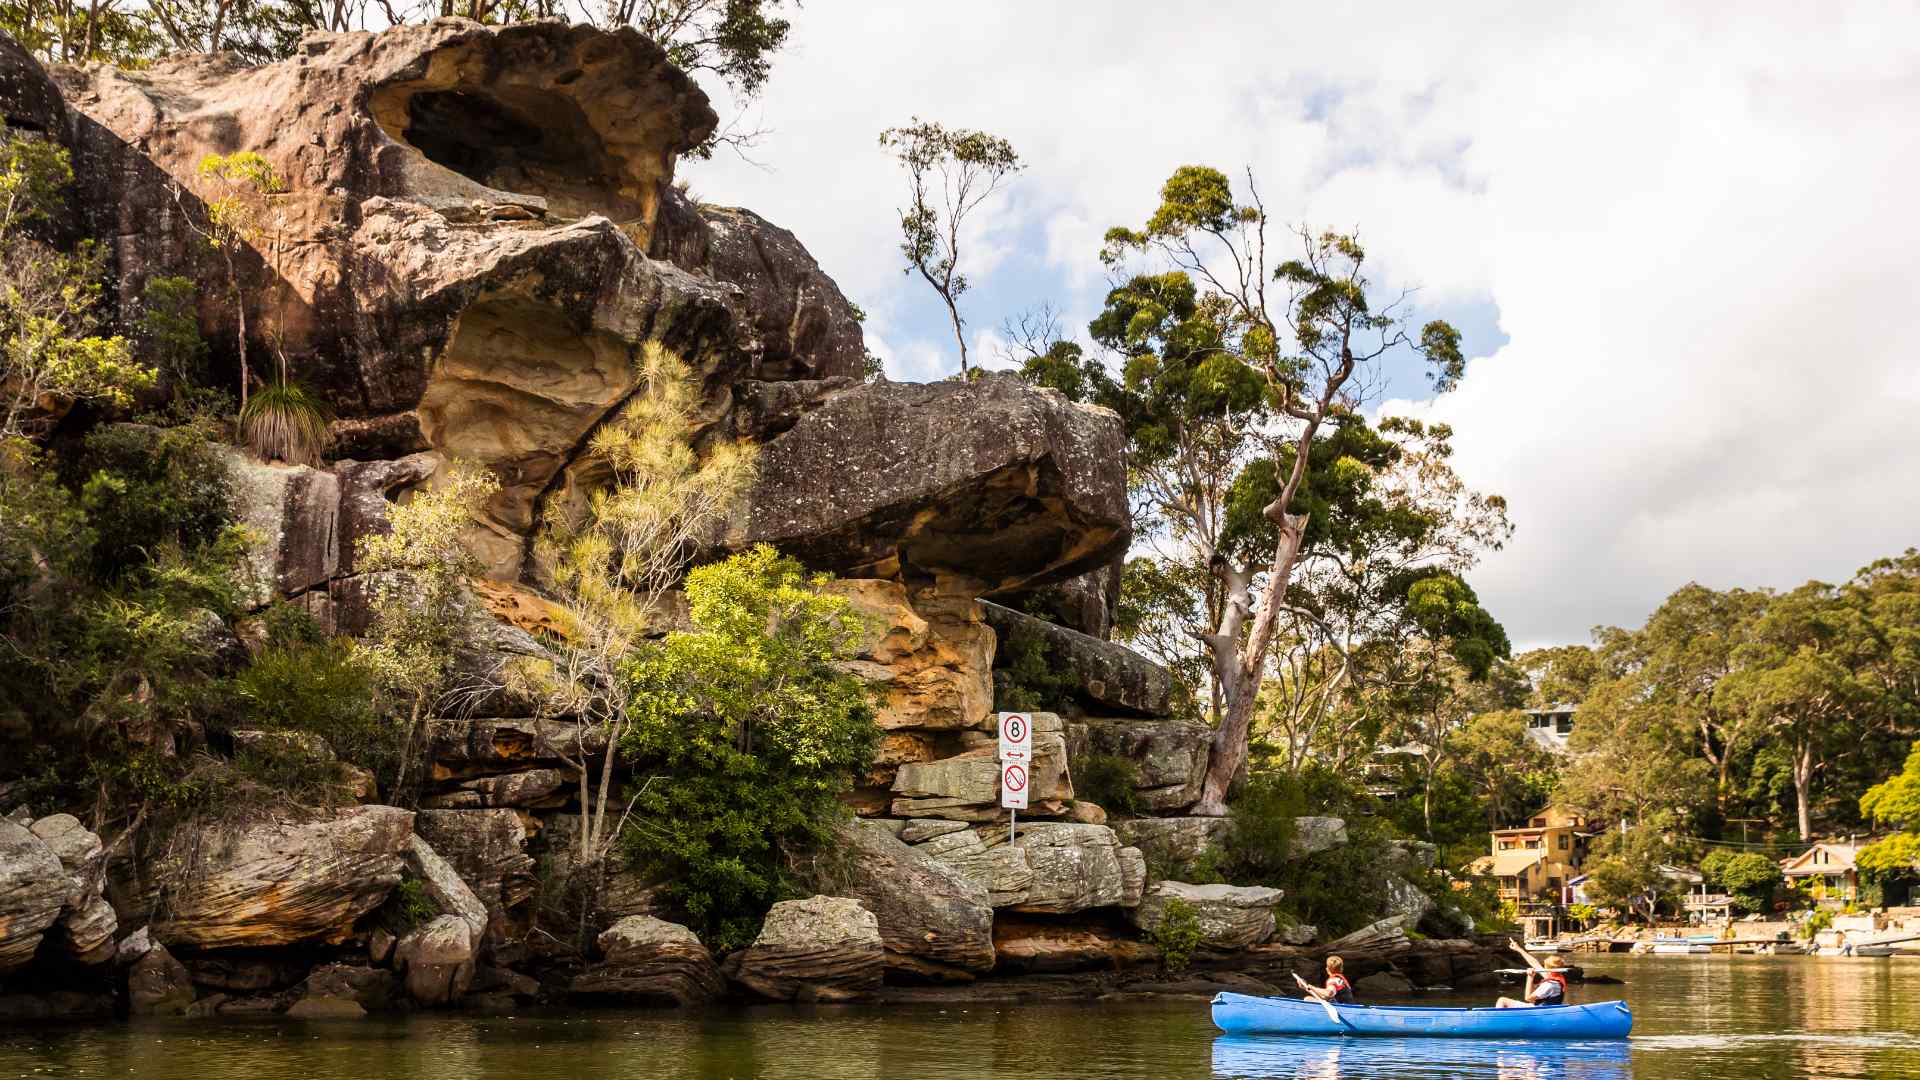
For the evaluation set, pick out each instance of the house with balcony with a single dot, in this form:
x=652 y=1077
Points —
x=1538 y=860
x=1551 y=727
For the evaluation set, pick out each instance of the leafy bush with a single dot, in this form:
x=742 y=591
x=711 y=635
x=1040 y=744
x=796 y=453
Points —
x=306 y=684
x=147 y=490
x=1028 y=681
x=744 y=735
x=1178 y=935
x=1750 y=878
x=407 y=907
x=1108 y=781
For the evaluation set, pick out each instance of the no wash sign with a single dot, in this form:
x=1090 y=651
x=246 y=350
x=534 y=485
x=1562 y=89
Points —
x=1016 y=759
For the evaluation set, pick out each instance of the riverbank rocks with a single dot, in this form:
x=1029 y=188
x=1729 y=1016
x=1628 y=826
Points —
x=159 y=985
x=826 y=948
x=1052 y=868
x=1229 y=916
x=647 y=961
x=993 y=480
x=935 y=921
x=34 y=888
x=469 y=748
x=1041 y=946
x=437 y=960
x=1169 y=756
x=488 y=850
x=446 y=889
x=282 y=882
x=1106 y=676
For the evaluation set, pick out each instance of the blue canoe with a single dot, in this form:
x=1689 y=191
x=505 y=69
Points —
x=1242 y=1014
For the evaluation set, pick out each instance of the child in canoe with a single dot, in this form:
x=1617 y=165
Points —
x=1546 y=985
x=1338 y=990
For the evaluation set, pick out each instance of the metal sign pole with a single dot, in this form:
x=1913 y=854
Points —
x=1011 y=815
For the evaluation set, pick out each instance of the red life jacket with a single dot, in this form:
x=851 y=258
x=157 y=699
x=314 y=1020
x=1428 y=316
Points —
x=1341 y=988
x=1558 y=978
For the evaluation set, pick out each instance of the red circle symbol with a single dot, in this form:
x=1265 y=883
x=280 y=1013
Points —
x=1016 y=778
x=1016 y=728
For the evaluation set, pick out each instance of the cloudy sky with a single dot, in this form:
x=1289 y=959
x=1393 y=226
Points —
x=1682 y=244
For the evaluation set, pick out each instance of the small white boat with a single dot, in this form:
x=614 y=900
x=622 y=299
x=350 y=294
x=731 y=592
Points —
x=1679 y=948
x=1544 y=946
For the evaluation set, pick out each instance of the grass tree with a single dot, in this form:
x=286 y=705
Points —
x=612 y=563
x=421 y=601
x=950 y=173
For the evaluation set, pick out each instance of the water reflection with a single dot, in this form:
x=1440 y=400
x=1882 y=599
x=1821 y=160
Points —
x=1262 y=1058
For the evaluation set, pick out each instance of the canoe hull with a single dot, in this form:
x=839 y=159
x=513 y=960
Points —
x=1243 y=1014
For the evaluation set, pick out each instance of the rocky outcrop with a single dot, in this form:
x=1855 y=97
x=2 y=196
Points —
x=34 y=888
x=646 y=961
x=465 y=748
x=1228 y=916
x=488 y=849
x=446 y=889
x=966 y=787
x=804 y=328
x=1107 y=677
x=87 y=921
x=1086 y=603
x=826 y=948
x=930 y=667
x=1169 y=757
x=1172 y=843
x=282 y=882
x=993 y=480
x=1051 y=868
x=437 y=959
x=159 y=985
x=935 y=921
x=1037 y=946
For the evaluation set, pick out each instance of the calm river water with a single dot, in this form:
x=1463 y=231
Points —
x=1696 y=1018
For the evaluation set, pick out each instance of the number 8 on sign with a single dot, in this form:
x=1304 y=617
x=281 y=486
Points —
x=1016 y=736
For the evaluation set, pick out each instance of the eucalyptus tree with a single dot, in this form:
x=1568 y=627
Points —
x=1238 y=362
x=951 y=173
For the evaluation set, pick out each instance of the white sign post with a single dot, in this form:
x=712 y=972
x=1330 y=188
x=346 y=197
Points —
x=1016 y=765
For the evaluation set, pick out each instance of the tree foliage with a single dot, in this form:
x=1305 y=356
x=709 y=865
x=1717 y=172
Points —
x=950 y=174
x=744 y=734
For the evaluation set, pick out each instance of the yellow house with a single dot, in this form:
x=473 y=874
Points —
x=1537 y=860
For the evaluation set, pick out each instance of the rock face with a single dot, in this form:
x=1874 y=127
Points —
x=282 y=883
x=934 y=920
x=1229 y=916
x=1052 y=868
x=446 y=889
x=646 y=961
x=827 y=948
x=992 y=480
x=931 y=668
x=1169 y=757
x=1109 y=676
x=87 y=922
x=488 y=849
x=1174 y=842
x=34 y=888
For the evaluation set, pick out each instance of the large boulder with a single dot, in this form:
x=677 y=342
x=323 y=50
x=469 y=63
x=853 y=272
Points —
x=1172 y=843
x=930 y=666
x=935 y=921
x=1052 y=867
x=1105 y=676
x=803 y=326
x=291 y=513
x=488 y=849
x=647 y=961
x=1169 y=757
x=446 y=889
x=34 y=889
x=437 y=959
x=159 y=985
x=282 y=882
x=1229 y=916
x=87 y=922
x=992 y=480
x=826 y=948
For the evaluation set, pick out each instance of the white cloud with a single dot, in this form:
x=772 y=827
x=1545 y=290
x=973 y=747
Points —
x=1697 y=228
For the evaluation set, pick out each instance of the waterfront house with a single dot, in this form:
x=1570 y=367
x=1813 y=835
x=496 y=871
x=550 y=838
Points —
x=1537 y=860
x=1828 y=868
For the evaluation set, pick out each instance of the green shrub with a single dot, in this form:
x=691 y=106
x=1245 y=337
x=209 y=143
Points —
x=149 y=490
x=744 y=735
x=1026 y=679
x=1109 y=781
x=1178 y=935
x=1260 y=828
x=284 y=421
x=318 y=688
x=407 y=907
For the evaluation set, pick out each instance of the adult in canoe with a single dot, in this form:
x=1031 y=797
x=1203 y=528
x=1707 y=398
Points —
x=1546 y=983
x=1338 y=990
